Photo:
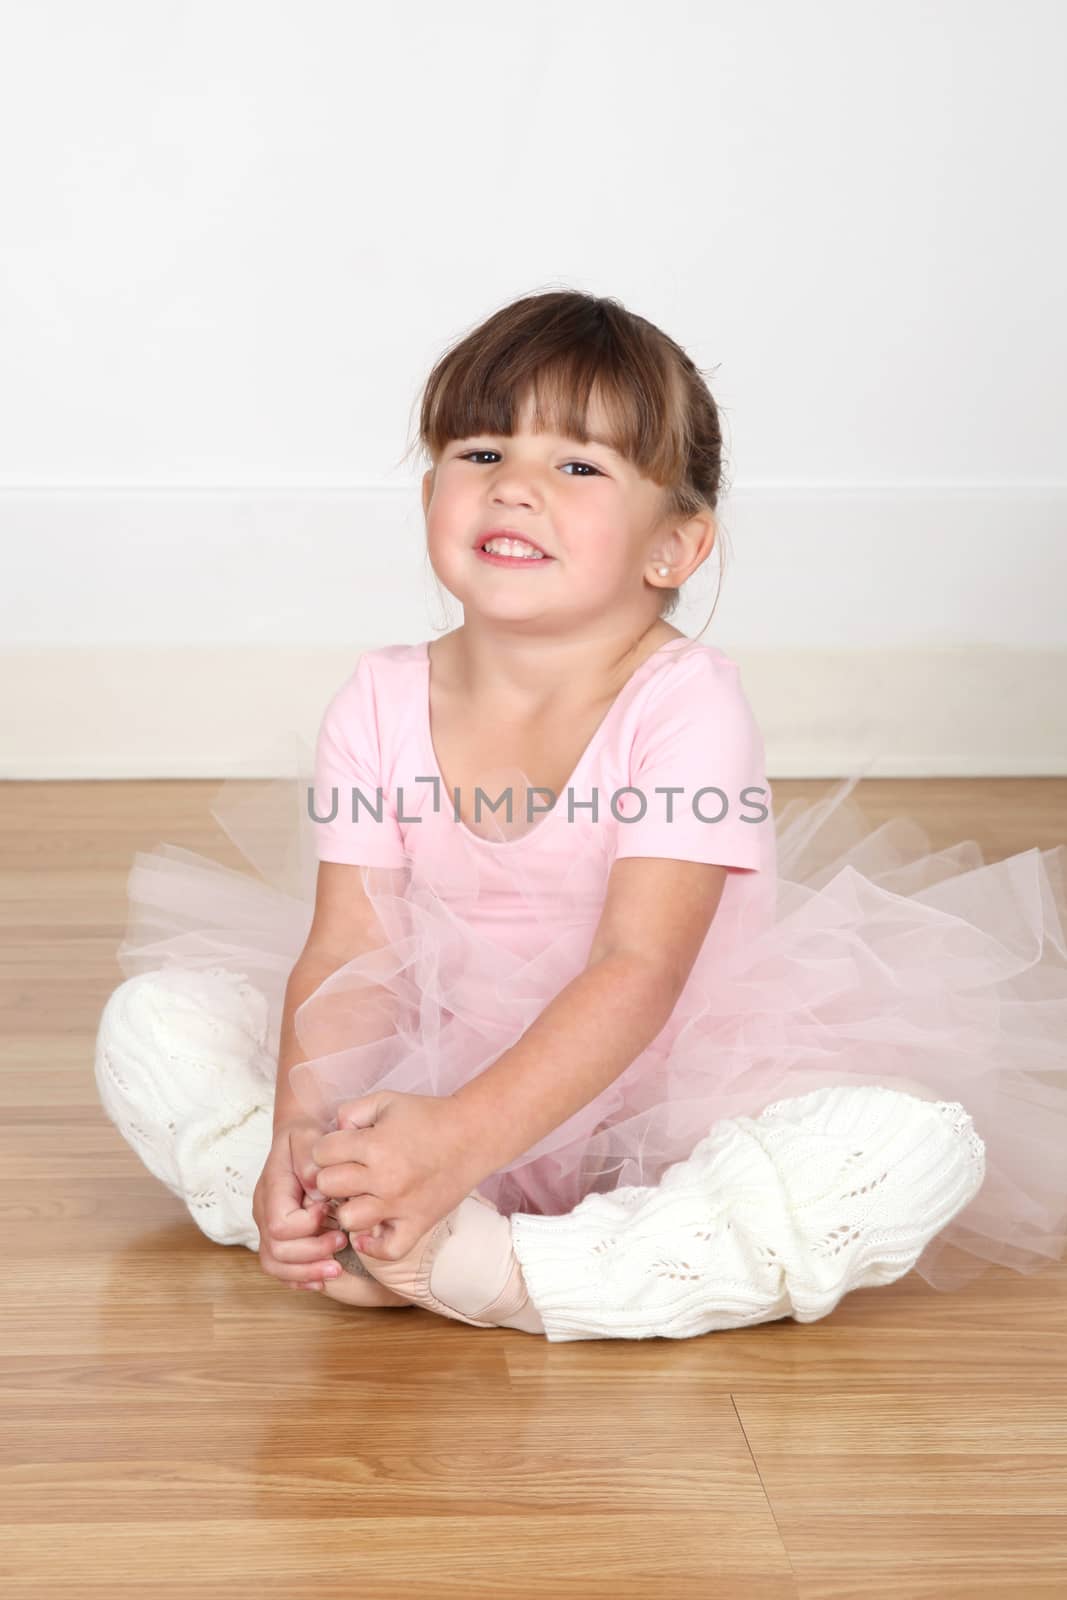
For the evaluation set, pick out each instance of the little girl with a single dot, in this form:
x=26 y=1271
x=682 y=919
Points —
x=563 y=1037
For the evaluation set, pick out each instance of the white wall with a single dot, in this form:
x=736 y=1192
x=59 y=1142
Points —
x=234 y=237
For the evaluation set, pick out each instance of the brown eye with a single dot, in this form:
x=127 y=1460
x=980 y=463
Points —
x=467 y=454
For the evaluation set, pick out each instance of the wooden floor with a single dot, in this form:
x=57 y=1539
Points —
x=176 y=1423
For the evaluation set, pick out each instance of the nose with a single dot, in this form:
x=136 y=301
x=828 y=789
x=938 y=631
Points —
x=514 y=485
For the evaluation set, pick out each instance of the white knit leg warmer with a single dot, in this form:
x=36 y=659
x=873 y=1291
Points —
x=774 y=1216
x=183 y=1071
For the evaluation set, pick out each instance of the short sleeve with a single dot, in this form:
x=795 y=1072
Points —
x=348 y=764
x=698 y=737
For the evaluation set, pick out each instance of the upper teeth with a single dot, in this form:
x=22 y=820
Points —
x=513 y=547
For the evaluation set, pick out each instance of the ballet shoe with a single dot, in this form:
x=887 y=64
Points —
x=444 y=1281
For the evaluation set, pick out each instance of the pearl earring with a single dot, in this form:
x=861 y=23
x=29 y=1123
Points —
x=663 y=571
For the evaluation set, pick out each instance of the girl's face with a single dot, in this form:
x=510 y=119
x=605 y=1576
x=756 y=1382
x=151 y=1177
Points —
x=588 y=509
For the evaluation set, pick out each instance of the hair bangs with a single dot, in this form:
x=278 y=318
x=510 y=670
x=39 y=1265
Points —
x=586 y=371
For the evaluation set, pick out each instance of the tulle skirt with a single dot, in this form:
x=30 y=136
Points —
x=887 y=962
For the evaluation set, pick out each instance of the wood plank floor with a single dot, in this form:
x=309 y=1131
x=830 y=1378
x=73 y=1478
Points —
x=175 y=1423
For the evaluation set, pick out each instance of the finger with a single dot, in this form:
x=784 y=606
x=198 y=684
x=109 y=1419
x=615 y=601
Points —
x=324 y=1211
x=363 y=1112
x=284 y=1207
x=323 y=1247
x=361 y=1214
x=375 y=1251
x=388 y=1242
x=287 y=1221
x=397 y=1244
x=342 y=1179
x=306 y=1272
x=336 y=1146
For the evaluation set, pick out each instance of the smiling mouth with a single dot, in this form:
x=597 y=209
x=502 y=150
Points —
x=512 y=561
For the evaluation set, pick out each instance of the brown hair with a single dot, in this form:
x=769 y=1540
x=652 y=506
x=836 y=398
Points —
x=561 y=346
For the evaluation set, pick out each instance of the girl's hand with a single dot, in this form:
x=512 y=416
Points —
x=399 y=1163
x=292 y=1243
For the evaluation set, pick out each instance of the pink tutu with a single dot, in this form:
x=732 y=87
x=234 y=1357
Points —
x=885 y=962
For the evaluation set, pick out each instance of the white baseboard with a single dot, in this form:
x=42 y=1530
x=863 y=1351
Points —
x=226 y=712
x=198 y=633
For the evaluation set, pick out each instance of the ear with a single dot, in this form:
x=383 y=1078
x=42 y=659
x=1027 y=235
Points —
x=689 y=544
